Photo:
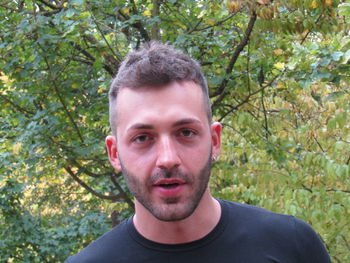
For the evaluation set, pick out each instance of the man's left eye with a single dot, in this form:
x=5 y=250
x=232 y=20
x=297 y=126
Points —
x=187 y=133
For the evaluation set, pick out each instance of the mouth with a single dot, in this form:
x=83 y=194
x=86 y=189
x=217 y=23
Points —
x=169 y=187
x=169 y=183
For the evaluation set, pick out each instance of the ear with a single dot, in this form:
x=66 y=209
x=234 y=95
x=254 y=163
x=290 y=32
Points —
x=216 y=139
x=111 y=144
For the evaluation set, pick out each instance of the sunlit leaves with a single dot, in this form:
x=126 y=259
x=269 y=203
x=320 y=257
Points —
x=284 y=108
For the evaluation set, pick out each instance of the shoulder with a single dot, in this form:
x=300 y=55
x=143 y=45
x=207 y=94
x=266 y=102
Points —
x=258 y=218
x=278 y=229
x=102 y=249
x=253 y=215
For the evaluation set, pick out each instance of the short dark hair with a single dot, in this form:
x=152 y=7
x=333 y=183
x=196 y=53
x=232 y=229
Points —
x=156 y=65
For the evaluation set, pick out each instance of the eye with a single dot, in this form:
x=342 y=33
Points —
x=143 y=138
x=187 y=133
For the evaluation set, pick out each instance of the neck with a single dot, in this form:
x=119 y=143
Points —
x=196 y=226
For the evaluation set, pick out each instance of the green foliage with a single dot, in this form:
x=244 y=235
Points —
x=278 y=73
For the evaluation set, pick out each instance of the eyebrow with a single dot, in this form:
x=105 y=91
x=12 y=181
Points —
x=144 y=126
x=185 y=121
x=141 y=126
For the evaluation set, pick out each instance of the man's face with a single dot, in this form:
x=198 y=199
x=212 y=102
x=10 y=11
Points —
x=164 y=146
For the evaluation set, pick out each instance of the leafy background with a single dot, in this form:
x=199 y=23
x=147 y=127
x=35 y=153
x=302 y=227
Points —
x=278 y=73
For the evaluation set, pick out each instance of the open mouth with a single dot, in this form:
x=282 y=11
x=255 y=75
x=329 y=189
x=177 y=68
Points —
x=169 y=185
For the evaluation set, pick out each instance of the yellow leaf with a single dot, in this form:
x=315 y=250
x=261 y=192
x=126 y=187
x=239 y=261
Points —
x=74 y=86
x=4 y=78
x=313 y=4
x=65 y=4
x=125 y=10
x=210 y=22
x=279 y=65
x=180 y=25
x=147 y=13
x=84 y=15
x=100 y=90
x=328 y=2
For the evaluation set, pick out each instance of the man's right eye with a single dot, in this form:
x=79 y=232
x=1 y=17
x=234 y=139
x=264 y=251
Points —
x=141 y=138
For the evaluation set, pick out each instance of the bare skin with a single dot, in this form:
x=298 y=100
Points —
x=166 y=129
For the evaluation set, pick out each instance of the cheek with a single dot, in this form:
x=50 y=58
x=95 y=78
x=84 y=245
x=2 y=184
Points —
x=137 y=162
x=196 y=157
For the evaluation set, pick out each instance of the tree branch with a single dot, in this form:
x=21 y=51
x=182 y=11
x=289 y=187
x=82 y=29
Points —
x=81 y=60
x=138 y=25
x=220 y=91
x=83 y=51
x=121 y=191
x=195 y=26
x=155 y=31
x=52 y=6
x=104 y=38
x=9 y=7
x=67 y=111
x=338 y=190
x=318 y=143
x=107 y=57
x=19 y=108
x=194 y=29
x=55 y=86
x=309 y=31
x=247 y=99
x=265 y=115
x=84 y=170
x=88 y=188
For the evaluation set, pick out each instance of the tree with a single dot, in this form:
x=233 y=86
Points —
x=278 y=78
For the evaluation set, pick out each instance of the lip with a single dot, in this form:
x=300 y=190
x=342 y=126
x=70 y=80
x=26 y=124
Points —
x=169 y=187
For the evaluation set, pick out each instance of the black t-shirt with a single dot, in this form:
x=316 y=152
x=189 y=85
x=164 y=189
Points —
x=244 y=234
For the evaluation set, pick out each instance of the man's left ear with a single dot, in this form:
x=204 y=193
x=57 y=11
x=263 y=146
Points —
x=216 y=139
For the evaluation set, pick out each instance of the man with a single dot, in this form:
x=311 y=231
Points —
x=164 y=142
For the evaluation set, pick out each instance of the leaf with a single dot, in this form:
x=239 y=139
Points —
x=314 y=4
x=278 y=52
x=346 y=57
x=210 y=22
x=336 y=55
x=279 y=65
x=125 y=10
x=147 y=13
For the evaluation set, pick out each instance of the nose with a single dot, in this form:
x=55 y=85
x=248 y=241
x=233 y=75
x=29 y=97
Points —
x=168 y=157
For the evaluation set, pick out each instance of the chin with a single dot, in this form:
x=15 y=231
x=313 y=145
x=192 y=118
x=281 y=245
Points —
x=173 y=211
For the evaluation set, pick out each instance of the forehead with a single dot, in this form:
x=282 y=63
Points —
x=170 y=103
